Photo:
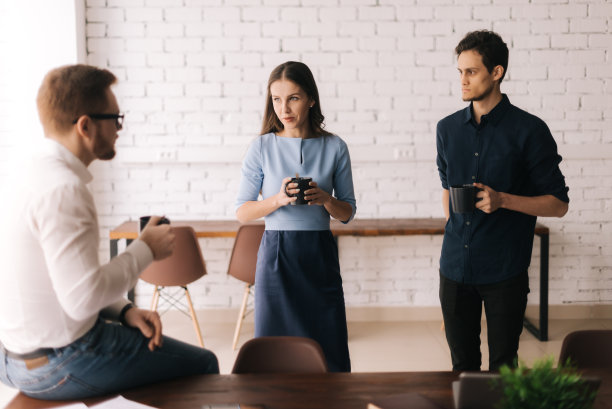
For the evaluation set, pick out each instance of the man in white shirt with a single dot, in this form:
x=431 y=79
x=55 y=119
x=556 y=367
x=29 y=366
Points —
x=57 y=302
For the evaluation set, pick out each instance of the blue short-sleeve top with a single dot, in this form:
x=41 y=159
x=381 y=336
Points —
x=271 y=158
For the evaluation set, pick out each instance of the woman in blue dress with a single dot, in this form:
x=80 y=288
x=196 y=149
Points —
x=297 y=282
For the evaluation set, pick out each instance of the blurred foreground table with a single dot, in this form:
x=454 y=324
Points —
x=300 y=391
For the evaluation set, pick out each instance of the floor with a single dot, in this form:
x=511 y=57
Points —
x=374 y=346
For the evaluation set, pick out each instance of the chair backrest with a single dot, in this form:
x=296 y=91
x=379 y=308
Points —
x=185 y=265
x=244 y=254
x=588 y=348
x=280 y=355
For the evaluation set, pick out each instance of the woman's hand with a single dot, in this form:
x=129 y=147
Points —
x=316 y=195
x=336 y=208
x=148 y=322
x=281 y=197
x=255 y=209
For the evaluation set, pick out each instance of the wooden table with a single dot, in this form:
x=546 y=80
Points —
x=360 y=227
x=295 y=391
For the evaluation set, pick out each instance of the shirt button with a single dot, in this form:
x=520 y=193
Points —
x=466 y=246
x=475 y=153
x=473 y=177
x=468 y=223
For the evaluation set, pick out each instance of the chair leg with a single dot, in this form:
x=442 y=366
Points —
x=194 y=318
x=155 y=299
x=245 y=298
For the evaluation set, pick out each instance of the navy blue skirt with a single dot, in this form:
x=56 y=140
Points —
x=298 y=292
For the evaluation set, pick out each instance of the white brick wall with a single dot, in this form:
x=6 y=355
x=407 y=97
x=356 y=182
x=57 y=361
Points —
x=193 y=76
x=386 y=74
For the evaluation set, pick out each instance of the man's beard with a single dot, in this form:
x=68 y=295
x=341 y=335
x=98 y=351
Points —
x=103 y=150
x=483 y=94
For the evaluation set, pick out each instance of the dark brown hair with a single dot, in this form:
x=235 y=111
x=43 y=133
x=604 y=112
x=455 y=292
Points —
x=300 y=74
x=70 y=91
x=489 y=45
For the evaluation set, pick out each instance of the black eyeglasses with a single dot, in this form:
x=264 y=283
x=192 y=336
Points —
x=117 y=117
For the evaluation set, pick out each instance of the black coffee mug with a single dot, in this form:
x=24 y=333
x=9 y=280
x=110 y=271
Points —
x=463 y=198
x=145 y=219
x=303 y=184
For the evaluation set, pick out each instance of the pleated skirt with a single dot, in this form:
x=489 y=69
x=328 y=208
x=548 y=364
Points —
x=298 y=292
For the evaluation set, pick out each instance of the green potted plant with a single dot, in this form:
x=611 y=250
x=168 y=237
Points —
x=544 y=387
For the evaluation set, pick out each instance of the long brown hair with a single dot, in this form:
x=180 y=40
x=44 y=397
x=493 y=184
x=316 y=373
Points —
x=300 y=74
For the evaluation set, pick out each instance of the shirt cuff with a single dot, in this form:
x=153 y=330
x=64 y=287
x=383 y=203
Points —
x=142 y=254
x=112 y=311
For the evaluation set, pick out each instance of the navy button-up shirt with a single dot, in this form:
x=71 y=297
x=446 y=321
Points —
x=510 y=151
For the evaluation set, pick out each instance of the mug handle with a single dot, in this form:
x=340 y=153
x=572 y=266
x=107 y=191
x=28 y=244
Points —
x=477 y=199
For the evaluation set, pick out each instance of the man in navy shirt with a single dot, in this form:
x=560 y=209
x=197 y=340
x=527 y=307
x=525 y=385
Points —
x=511 y=156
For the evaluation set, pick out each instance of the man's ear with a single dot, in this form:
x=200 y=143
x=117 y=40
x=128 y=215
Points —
x=498 y=71
x=85 y=128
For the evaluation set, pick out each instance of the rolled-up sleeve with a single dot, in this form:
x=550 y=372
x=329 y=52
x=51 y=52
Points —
x=343 y=179
x=545 y=177
x=441 y=158
x=252 y=175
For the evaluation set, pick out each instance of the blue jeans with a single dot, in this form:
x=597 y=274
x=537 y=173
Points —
x=107 y=359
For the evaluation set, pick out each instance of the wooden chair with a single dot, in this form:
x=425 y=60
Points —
x=588 y=349
x=242 y=266
x=184 y=266
x=280 y=355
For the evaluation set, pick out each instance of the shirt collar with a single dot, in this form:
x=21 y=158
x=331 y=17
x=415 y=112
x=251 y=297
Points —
x=494 y=116
x=60 y=151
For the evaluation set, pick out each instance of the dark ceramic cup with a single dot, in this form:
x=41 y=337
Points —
x=303 y=184
x=145 y=219
x=463 y=198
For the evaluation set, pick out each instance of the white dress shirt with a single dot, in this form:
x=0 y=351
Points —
x=52 y=286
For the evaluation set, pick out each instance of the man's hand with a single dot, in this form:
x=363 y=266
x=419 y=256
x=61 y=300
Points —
x=545 y=205
x=160 y=239
x=148 y=322
x=490 y=199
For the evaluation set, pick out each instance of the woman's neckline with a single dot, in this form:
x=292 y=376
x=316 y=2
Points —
x=295 y=138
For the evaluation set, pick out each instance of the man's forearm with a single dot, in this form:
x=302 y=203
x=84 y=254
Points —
x=445 y=203
x=545 y=206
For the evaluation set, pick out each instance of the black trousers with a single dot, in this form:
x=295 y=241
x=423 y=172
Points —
x=504 y=303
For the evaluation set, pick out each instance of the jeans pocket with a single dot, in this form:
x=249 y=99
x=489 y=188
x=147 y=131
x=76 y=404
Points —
x=54 y=380
x=68 y=387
